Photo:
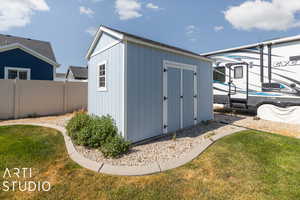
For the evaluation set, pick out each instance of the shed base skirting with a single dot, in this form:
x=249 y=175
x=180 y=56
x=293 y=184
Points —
x=155 y=167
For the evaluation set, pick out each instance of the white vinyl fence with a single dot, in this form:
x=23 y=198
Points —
x=25 y=98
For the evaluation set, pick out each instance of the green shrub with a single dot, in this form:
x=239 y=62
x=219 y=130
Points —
x=103 y=128
x=79 y=121
x=114 y=147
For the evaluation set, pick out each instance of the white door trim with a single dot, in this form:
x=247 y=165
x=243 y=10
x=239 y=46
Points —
x=195 y=98
x=181 y=66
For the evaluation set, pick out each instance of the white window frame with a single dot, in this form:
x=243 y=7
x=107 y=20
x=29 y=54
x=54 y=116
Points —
x=28 y=70
x=101 y=89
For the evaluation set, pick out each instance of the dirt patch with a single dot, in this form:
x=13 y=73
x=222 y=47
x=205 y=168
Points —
x=250 y=122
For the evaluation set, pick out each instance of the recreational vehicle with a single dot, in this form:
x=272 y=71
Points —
x=258 y=74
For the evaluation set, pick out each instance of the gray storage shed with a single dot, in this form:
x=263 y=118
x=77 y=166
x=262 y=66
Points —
x=149 y=88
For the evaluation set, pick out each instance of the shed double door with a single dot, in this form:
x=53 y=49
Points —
x=180 y=97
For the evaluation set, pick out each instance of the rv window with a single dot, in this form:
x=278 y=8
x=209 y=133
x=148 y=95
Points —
x=294 y=58
x=220 y=74
x=238 y=72
x=271 y=86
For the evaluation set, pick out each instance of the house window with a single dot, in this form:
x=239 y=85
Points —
x=220 y=74
x=238 y=72
x=101 y=77
x=17 y=73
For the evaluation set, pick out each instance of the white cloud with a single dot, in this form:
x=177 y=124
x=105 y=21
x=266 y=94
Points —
x=18 y=13
x=218 y=28
x=192 y=32
x=264 y=15
x=152 y=6
x=86 y=11
x=128 y=9
x=92 y=31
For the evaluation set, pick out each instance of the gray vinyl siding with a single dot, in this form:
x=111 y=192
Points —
x=205 y=94
x=104 y=41
x=145 y=92
x=108 y=102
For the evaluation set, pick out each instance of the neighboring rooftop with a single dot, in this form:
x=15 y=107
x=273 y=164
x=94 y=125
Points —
x=41 y=47
x=78 y=72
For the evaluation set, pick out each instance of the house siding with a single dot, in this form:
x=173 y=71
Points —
x=145 y=89
x=108 y=102
x=40 y=70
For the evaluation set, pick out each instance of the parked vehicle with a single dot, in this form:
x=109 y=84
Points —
x=257 y=74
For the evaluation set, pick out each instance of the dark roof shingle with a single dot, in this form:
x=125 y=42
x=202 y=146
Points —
x=79 y=72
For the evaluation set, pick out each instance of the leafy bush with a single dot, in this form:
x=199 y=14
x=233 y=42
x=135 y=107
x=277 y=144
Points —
x=114 y=147
x=79 y=121
x=97 y=132
x=103 y=128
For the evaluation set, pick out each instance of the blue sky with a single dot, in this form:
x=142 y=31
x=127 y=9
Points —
x=199 y=26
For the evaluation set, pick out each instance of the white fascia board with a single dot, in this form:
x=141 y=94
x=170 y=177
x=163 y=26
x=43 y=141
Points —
x=30 y=51
x=111 y=32
x=270 y=42
x=149 y=44
x=97 y=37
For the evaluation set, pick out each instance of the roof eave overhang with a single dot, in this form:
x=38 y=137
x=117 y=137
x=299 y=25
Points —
x=30 y=51
x=101 y=29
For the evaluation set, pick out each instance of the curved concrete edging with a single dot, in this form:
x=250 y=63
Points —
x=126 y=170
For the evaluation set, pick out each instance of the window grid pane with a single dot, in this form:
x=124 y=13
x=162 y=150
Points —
x=23 y=75
x=12 y=74
x=101 y=76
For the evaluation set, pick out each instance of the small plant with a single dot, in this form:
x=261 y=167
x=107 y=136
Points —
x=256 y=118
x=174 y=137
x=114 y=147
x=77 y=123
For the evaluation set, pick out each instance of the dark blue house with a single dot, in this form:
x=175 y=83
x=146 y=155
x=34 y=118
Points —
x=26 y=59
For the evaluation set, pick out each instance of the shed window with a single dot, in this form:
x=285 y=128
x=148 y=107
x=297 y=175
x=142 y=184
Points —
x=101 y=77
x=17 y=73
x=238 y=72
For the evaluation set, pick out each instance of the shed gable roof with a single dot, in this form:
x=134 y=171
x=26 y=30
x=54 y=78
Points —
x=137 y=39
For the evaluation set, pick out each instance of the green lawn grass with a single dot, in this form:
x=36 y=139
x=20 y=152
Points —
x=246 y=165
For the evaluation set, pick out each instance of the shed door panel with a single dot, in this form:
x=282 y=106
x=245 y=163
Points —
x=188 y=98
x=173 y=99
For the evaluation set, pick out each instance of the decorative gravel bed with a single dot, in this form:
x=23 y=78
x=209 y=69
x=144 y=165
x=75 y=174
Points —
x=163 y=149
